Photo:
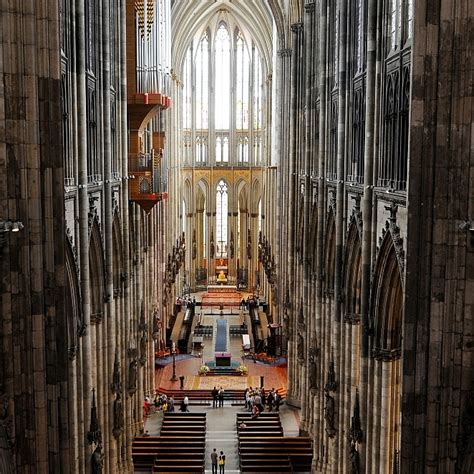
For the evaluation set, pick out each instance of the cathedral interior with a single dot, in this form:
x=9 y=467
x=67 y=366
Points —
x=188 y=183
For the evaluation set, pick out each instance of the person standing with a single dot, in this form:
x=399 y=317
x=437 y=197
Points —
x=186 y=402
x=214 y=393
x=221 y=397
x=214 y=461
x=221 y=462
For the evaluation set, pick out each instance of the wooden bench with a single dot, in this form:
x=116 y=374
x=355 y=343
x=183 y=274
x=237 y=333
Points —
x=286 y=440
x=255 y=434
x=259 y=427
x=180 y=448
x=167 y=430
x=183 y=426
x=257 y=422
x=144 y=460
x=266 y=451
x=190 y=468
x=195 y=438
x=282 y=466
x=264 y=414
x=177 y=415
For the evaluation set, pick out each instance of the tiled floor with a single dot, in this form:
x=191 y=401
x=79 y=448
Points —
x=221 y=422
x=221 y=430
x=273 y=376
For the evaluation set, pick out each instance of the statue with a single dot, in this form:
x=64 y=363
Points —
x=118 y=416
x=300 y=348
x=97 y=460
x=329 y=414
x=312 y=368
x=132 y=376
x=212 y=249
x=355 y=460
x=143 y=348
x=231 y=245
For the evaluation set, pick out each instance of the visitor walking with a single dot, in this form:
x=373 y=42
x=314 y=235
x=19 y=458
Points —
x=214 y=461
x=186 y=402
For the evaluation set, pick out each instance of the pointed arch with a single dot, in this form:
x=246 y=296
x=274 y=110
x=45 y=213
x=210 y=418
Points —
x=222 y=209
x=97 y=273
x=73 y=302
x=353 y=275
x=387 y=302
x=255 y=196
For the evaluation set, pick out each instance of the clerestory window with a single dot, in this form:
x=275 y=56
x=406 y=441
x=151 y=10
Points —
x=222 y=100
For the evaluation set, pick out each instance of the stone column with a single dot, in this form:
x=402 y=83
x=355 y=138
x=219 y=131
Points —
x=126 y=216
x=83 y=227
x=367 y=209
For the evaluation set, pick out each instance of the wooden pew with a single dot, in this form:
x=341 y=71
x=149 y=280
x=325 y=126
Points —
x=266 y=451
x=260 y=434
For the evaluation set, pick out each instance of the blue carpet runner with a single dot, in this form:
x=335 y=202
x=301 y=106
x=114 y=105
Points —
x=221 y=336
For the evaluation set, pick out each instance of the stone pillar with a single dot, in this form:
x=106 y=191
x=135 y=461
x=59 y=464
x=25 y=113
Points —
x=367 y=203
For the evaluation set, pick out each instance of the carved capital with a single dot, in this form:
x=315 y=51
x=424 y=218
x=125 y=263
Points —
x=297 y=27
x=284 y=53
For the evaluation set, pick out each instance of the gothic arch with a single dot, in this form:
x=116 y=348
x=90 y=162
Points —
x=187 y=195
x=189 y=21
x=330 y=250
x=255 y=196
x=387 y=301
x=73 y=302
x=97 y=273
x=353 y=275
x=203 y=185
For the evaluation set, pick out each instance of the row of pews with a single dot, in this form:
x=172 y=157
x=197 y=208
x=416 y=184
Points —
x=264 y=448
x=181 y=446
x=200 y=395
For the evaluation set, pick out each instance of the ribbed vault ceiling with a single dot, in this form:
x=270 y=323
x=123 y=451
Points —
x=190 y=17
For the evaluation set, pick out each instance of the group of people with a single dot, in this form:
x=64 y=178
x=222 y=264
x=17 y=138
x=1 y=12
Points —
x=217 y=397
x=217 y=460
x=257 y=398
x=159 y=403
x=251 y=301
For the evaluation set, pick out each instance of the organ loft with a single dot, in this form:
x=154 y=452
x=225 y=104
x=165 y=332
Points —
x=239 y=225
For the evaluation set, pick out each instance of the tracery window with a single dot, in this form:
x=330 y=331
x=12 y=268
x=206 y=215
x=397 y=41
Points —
x=187 y=91
x=222 y=78
x=400 y=23
x=355 y=171
x=202 y=84
x=222 y=113
x=396 y=96
x=222 y=198
x=243 y=68
x=91 y=15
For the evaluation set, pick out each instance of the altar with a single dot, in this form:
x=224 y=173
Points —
x=221 y=289
x=223 y=359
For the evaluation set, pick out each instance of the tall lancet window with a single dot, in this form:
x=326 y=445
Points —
x=202 y=84
x=242 y=86
x=223 y=74
x=188 y=91
x=222 y=199
x=222 y=78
